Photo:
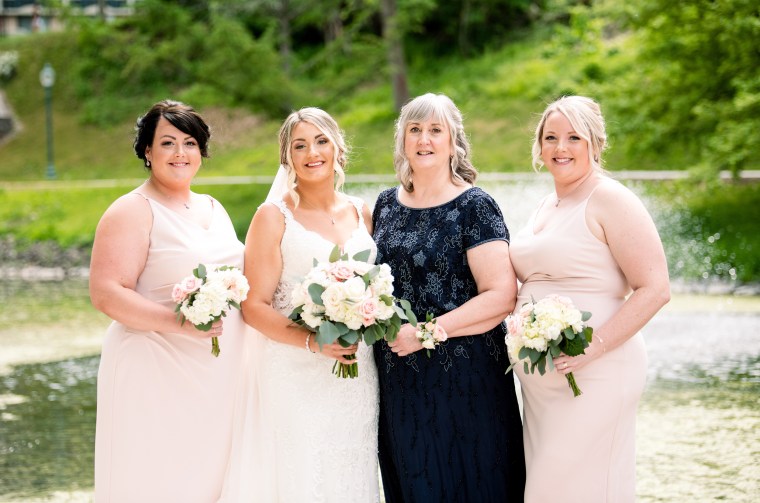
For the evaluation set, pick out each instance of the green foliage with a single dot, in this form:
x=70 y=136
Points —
x=252 y=78
x=696 y=86
x=709 y=229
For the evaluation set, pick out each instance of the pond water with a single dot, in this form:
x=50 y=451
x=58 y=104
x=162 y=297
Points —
x=698 y=423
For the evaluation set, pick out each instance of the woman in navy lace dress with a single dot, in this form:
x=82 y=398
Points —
x=450 y=426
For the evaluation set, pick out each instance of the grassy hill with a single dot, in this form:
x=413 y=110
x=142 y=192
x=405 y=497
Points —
x=501 y=93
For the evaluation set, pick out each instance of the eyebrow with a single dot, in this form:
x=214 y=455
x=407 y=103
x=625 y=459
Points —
x=546 y=131
x=414 y=123
x=174 y=137
x=304 y=139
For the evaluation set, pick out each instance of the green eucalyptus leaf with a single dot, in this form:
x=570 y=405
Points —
x=201 y=271
x=327 y=334
x=350 y=337
x=541 y=366
x=362 y=256
x=335 y=254
x=315 y=292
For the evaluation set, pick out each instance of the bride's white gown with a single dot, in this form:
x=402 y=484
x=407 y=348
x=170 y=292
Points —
x=303 y=434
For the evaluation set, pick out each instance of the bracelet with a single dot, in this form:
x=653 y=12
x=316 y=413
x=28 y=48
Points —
x=430 y=333
x=308 y=337
x=604 y=348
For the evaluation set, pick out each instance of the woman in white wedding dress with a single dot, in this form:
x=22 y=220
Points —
x=312 y=435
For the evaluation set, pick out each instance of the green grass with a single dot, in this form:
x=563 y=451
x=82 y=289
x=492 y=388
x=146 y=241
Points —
x=500 y=93
x=707 y=233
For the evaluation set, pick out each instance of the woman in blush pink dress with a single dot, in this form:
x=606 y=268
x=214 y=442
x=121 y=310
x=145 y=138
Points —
x=593 y=241
x=165 y=403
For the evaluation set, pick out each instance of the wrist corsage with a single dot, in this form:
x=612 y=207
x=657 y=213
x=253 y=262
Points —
x=430 y=333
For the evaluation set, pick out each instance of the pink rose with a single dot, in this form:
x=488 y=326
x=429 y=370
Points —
x=191 y=284
x=514 y=325
x=178 y=294
x=340 y=271
x=368 y=310
x=439 y=333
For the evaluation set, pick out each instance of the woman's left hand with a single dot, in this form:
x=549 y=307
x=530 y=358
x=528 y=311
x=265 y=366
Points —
x=406 y=341
x=566 y=364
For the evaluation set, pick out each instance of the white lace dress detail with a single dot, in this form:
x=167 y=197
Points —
x=324 y=428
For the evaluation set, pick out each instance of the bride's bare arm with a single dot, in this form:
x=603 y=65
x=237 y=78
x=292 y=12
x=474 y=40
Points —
x=263 y=268
x=119 y=254
x=367 y=215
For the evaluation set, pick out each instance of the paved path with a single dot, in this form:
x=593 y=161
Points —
x=747 y=175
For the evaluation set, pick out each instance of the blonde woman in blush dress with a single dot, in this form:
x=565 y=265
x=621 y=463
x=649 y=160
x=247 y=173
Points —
x=593 y=241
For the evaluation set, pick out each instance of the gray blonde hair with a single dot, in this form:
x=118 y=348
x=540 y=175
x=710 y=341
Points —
x=327 y=125
x=585 y=115
x=442 y=109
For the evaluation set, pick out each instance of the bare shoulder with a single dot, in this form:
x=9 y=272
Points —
x=267 y=224
x=268 y=214
x=613 y=198
x=129 y=211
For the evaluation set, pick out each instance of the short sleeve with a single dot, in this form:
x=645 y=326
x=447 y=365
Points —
x=483 y=221
x=380 y=203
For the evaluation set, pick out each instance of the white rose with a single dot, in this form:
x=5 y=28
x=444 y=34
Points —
x=428 y=344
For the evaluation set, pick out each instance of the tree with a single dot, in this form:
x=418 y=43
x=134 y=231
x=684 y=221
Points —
x=394 y=45
x=696 y=84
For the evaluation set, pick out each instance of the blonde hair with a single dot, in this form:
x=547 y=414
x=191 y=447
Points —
x=585 y=116
x=327 y=126
x=439 y=107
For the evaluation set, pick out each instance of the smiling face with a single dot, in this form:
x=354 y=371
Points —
x=427 y=144
x=312 y=153
x=175 y=156
x=563 y=151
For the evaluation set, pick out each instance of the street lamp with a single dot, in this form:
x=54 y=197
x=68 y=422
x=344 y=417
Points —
x=47 y=79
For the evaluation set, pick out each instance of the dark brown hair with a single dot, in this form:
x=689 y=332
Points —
x=179 y=115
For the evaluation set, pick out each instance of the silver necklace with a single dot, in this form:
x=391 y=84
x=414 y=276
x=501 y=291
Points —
x=186 y=204
x=330 y=214
x=559 y=199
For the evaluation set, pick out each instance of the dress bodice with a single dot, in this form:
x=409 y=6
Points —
x=300 y=246
x=178 y=245
x=565 y=258
x=426 y=249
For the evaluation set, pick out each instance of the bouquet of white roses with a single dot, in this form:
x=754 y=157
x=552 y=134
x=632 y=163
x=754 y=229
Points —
x=205 y=296
x=540 y=331
x=347 y=300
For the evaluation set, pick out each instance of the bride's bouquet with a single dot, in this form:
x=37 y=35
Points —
x=205 y=297
x=347 y=300
x=540 y=331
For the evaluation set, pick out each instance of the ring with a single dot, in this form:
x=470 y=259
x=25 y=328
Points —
x=564 y=366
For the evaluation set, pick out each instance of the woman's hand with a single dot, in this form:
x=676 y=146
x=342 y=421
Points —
x=215 y=331
x=334 y=350
x=566 y=364
x=406 y=341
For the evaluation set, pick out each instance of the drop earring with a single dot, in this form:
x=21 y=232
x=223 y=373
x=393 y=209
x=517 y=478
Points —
x=147 y=163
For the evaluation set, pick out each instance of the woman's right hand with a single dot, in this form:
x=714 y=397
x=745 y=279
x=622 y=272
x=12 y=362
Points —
x=216 y=330
x=334 y=350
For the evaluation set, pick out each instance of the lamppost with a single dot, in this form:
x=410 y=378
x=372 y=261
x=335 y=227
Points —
x=47 y=79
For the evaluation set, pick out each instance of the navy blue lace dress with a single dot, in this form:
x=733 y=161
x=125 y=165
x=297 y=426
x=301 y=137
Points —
x=450 y=428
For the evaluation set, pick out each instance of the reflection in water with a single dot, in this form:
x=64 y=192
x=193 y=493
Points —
x=47 y=429
x=698 y=433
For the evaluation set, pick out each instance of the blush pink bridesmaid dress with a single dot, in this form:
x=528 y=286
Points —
x=165 y=403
